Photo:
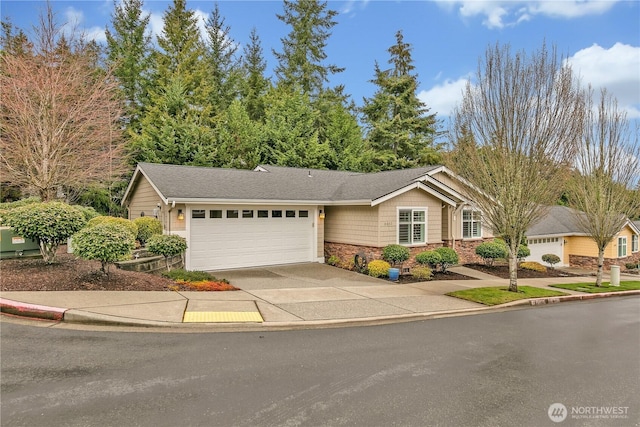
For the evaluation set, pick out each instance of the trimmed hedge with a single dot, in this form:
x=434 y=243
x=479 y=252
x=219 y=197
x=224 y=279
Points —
x=551 y=259
x=535 y=266
x=430 y=258
x=422 y=273
x=395 y=254
x=108 y=242
x=490 y=251
x=147 y=227
x=104 y=219
x=448 y=257
x=167 y=245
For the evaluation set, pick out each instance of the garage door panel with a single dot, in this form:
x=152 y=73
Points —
x=218 y=243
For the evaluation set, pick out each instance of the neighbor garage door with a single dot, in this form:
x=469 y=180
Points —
x=223 y=237
x=541 y=246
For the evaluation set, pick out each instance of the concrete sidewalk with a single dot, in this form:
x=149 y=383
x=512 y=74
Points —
x=281 y=297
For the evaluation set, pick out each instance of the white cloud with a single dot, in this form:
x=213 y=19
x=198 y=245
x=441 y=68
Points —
x=617 y=69
x=502 y=13
x=443 y=98
x=74 y=20
x=156 y=22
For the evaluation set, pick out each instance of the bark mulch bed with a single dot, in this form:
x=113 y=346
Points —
x=502 y=271
x=438 y=275
x=74 y=274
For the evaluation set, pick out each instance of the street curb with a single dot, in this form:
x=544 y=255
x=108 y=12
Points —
x=31 y=310
x=76 y=316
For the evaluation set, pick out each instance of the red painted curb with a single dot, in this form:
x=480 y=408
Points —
x=31 y=310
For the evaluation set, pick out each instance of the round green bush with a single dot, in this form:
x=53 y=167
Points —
x=107 y=243
x=103 y=219
x=50 y=224
x=523 y=252
x=422 y=273
x=448 y=257
x=395 y=254
x=551 y=259
x=147 y=227
x=167 y=245
x=88 y=212
x=490 y=251
x=430 y=258
x=378 y=268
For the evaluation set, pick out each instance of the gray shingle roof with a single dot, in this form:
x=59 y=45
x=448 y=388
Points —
x=560 y=220
x=278 y=183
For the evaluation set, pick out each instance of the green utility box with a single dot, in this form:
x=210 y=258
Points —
x=14 y=246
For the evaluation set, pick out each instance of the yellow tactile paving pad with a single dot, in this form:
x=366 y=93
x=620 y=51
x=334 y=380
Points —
x=221 y=317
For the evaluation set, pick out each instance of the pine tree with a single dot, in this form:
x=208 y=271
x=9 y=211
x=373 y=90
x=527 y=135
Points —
x=255 y=84
x=241 y=137
x=399 y=129
x=301 y=61
x=128 y=50
x=176 y=127
x=223 y=66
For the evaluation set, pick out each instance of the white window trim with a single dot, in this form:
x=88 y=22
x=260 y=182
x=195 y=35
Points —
x=620 y=245
x=634 y=243
x=469 y=208
x=426 y=221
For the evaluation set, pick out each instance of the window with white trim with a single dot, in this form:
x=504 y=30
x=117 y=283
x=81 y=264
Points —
x=412 y=226
x=622 y=247
x=471 y=224
x=634 y=243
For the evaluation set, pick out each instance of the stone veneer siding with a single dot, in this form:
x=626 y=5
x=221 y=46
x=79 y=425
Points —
x=591 y=263
x=346 y=252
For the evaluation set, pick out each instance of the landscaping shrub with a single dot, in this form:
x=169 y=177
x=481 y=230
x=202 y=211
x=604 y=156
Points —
x=103 y=219
x=334 y=260
x=147 y=227
x=395 y=254
x=208 y=285
x=167 y=245
x=632 y=265
x=107 y=243
x=422 y=273
x=48 y=224
x=551 y=259
x=88 y=212
x=448 y=257
x=188 y=276
x=378 y=268
x=535 y=266
x=430 y=258
x=490 y=251
x=523 y=252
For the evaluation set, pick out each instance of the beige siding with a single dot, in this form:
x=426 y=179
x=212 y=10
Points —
x=388 y=216
x=176 y=224
x=143 y=199
x=448 y=181
x=356 y=225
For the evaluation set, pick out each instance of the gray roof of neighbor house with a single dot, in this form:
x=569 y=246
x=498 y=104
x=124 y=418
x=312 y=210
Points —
x=559 y=220
x=176 y=182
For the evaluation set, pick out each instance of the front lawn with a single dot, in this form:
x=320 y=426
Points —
x=629 y=285
x=501 y=295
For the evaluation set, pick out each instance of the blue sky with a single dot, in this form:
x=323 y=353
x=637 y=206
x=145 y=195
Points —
x=601 y=39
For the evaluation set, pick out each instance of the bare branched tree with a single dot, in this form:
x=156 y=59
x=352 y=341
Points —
x=608 y=170
x=523 y=118
x=59 y=114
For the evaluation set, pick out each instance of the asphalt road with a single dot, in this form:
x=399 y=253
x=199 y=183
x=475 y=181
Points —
x=499 y=369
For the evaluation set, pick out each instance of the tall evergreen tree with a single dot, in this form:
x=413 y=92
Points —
x=223 y=66
x=128 y=50
x=399 y=129
x=303 y=50
x=241 y=138
x=255 y=84
x=176 y=127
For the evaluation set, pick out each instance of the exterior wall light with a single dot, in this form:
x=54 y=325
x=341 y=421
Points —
x=180 y=214
x=321 y=214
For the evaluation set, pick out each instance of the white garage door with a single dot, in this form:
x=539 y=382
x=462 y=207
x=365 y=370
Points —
x=224 y=237
x=547 y=245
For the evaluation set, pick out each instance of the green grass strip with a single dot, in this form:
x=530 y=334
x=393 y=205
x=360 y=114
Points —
x=630 y=285
x=501 y=295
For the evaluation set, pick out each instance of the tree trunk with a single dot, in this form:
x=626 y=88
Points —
x=513 y=271
x=600 y=267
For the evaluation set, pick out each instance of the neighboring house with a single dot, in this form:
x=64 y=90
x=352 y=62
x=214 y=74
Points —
x=558 y=233
x=277 y=215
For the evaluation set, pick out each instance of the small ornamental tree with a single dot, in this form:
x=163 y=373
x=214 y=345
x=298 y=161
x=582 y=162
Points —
x=147 y=227
x=551 y=259
x=490 y=251
x=49 y=224
x=448 y=257
x=167 y=245
x=430 y=258
x=107 y=243
x=104 y=219
x=395 y=254
x=523 y=252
